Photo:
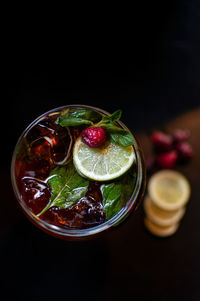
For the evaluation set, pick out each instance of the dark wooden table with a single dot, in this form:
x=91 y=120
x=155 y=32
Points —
x=151 y=268
x=126 y=264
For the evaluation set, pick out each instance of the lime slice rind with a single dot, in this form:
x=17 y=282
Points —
x=162 y=218
x=160 y=231
x=169 y=190
x=102 y=164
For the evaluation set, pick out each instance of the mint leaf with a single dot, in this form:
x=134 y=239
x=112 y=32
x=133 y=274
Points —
x=86 y=114
x=112 y=128
x=128 y=183
x=116 y=116
x=76 y=117
x=72 y=121
x=67 y=187
x=112 y=118
x=124 y=138
x=119 y=135
x=116 y=194
x=111 y=198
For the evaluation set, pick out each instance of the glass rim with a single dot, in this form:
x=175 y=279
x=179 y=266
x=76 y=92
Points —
x=79 y=233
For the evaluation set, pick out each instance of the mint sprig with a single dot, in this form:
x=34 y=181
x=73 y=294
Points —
x=117 y=134
x=67 y=187
x=112 y=118
x=77 y=117
x=117 y=193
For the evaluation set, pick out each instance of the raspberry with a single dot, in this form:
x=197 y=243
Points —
x=185 y=151
x=94 y=136
x=181 y=135
x=167 y=160
x=161 y=141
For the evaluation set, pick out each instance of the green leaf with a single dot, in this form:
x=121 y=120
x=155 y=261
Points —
x=119 y=135
x=116 y=115
x=124 y=139
x=116 y=194
x=112 y=128
x=72 y=121
x=67 y=187
x=86 y=114
x=128 y=183
x=76 y=117
x=112 y=118
x=111 y=198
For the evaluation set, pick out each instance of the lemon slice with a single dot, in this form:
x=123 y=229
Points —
x=103 y=163
x=160 y=231
x=169 y=190
x=161 y=217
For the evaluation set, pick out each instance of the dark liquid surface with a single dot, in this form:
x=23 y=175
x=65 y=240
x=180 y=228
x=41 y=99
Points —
x=46 y=146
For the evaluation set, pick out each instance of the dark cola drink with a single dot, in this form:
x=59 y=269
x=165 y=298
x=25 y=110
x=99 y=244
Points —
x=47 y=178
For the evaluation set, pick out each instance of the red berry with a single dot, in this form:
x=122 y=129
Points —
x=167 y=160
x=181 y=135
x=94 y=136
x=185 y=151
x=162 y=141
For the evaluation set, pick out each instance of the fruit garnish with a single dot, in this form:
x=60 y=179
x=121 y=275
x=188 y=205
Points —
x=161 y=217
x=104 y=163
x=82 y=117
x=94 y=136
x=169 y=149
x=167 y=160
x=169 y=190
x=180 y=135
x=185 y=151
x=158 y=230
x=161 y=141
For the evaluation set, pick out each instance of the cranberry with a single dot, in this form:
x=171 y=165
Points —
x=181 y=135
x=167 y=160
x=185 y=151
x=94 y=136
x=161 y=141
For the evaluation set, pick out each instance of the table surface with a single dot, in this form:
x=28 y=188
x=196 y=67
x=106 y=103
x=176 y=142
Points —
x=126 y=262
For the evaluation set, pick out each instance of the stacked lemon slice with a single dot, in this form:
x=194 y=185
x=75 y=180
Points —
x=168 y=193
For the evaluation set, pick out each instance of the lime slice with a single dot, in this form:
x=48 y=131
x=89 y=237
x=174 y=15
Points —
x=161 y=217
x=160 y=231
x=103 y=163
x=169 y=190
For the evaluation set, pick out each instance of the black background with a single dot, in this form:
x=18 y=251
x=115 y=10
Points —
x=154 y=78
